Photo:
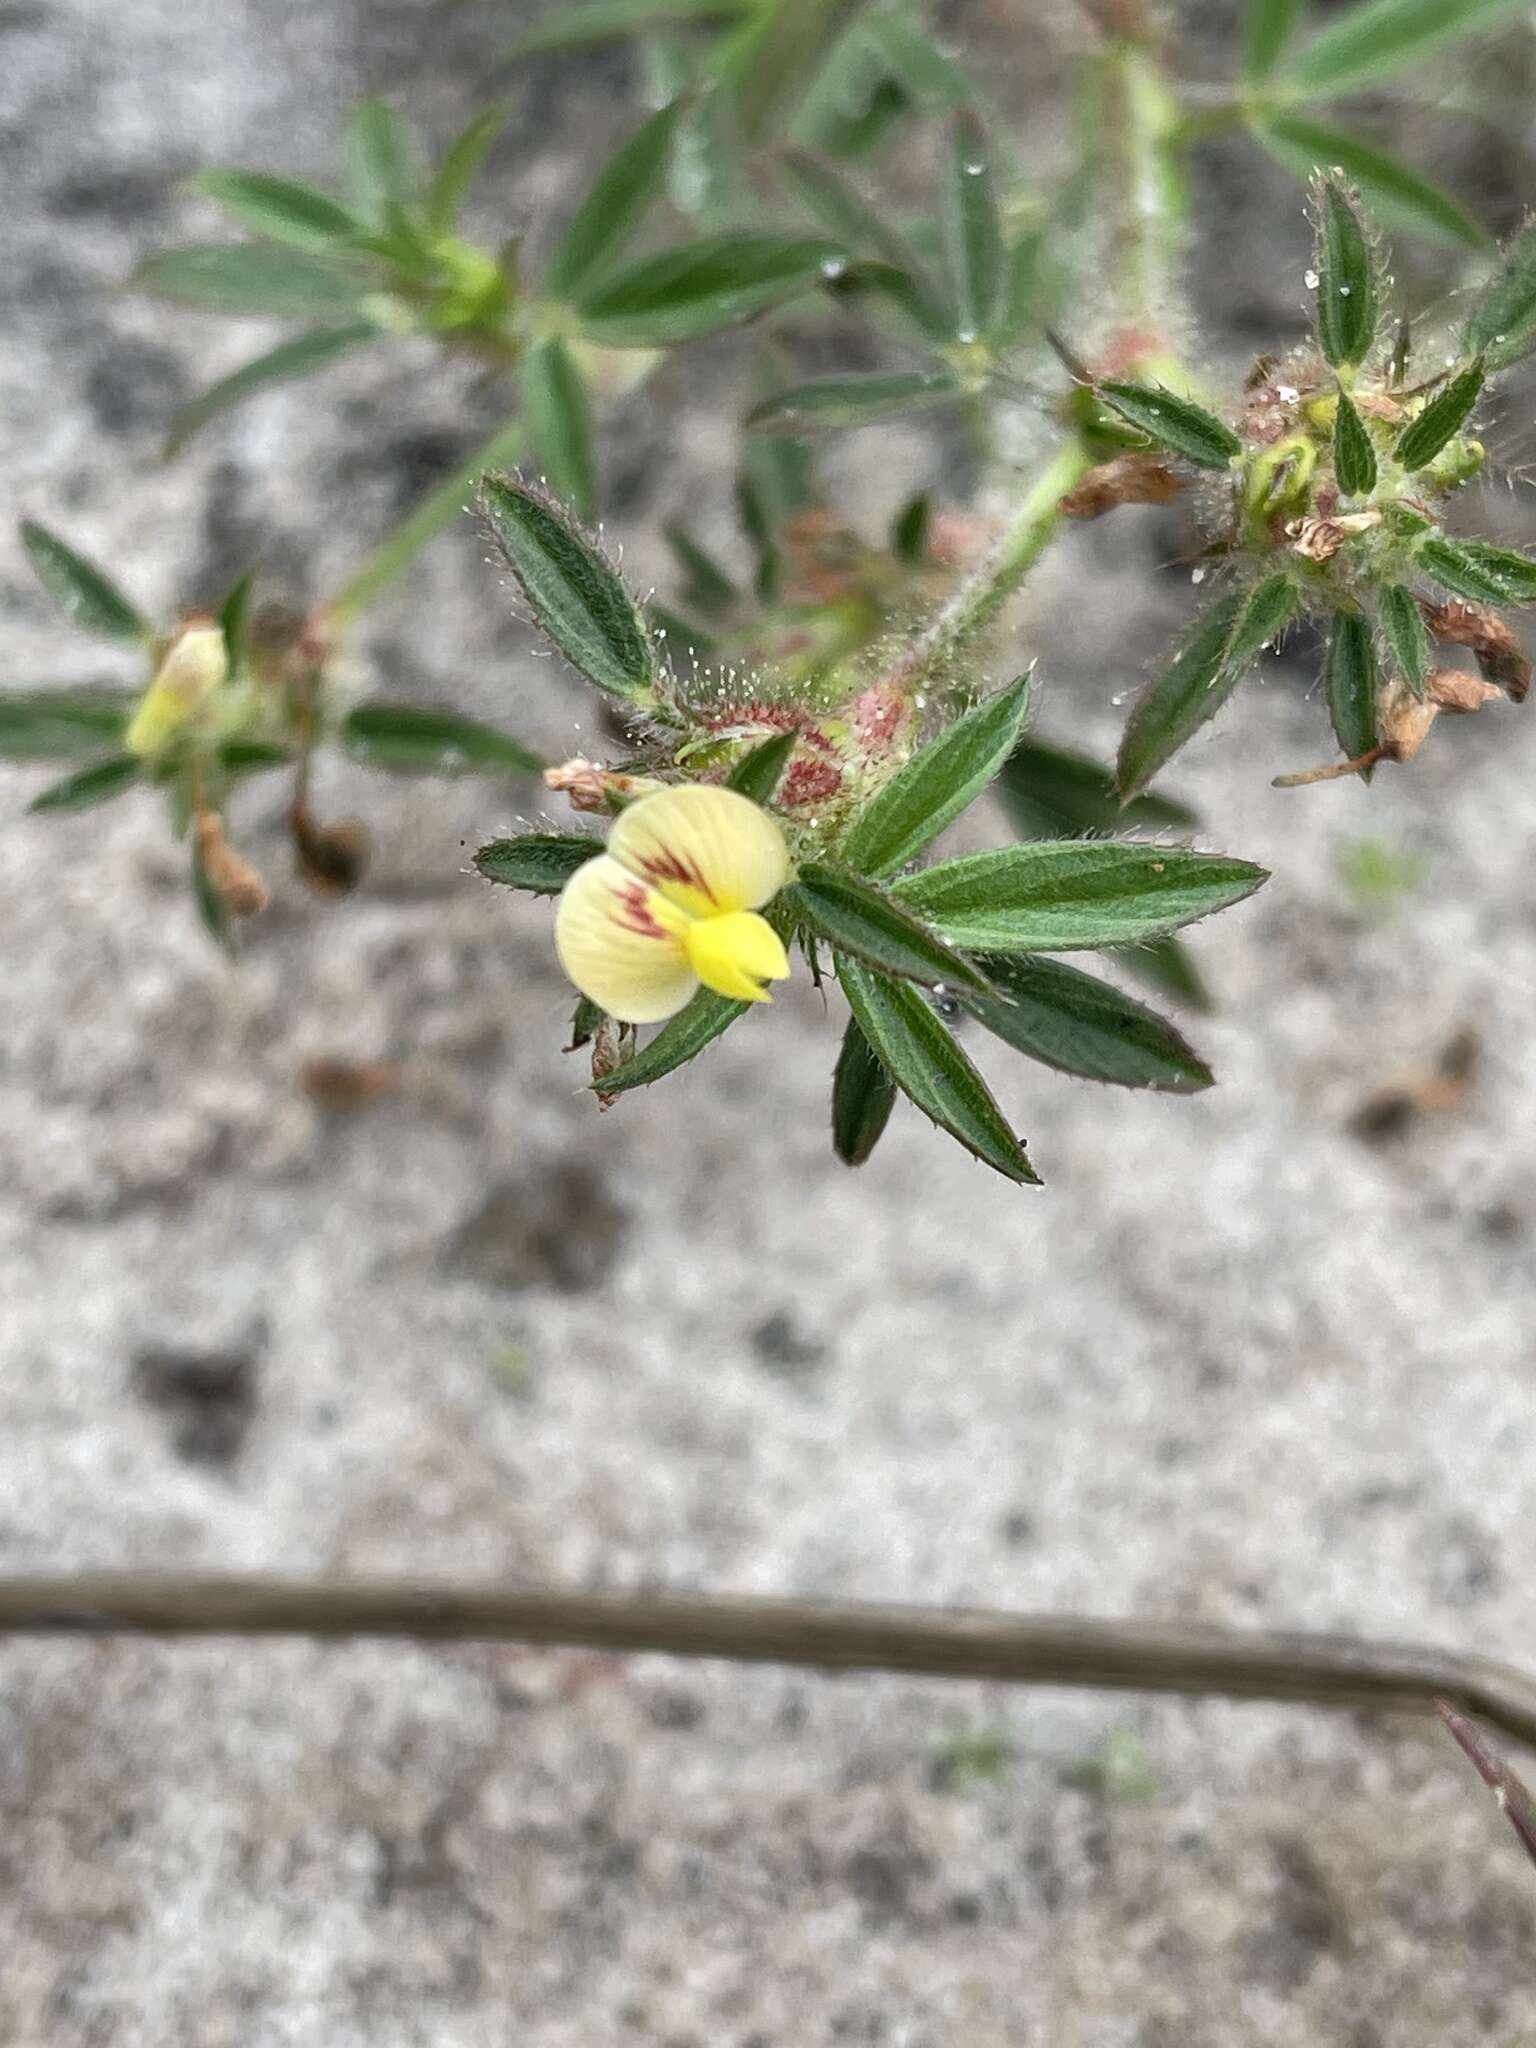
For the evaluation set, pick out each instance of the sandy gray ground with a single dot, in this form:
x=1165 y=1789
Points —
x=1234 y=1364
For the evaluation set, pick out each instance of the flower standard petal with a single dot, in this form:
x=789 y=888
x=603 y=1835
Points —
x=708 y=850
x=735 y=954
x=621 y=942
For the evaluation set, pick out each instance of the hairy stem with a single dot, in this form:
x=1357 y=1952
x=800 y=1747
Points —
x=988 y=588
x=1068 y=1650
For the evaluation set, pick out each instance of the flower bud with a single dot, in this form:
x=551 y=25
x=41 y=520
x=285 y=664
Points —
x=195 y=667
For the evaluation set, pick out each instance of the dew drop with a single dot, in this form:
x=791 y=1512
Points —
x=966 y=335
x=1311 y=280
x=1197 y=575
x=975 y=170
x=1287 y=394
x=1345 y=290
x=833 y=266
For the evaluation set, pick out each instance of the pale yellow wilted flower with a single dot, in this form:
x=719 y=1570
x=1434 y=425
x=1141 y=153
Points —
x=196 y=665
x=674 y=902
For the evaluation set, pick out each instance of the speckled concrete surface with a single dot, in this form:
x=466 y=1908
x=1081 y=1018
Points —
x=1233 y=1364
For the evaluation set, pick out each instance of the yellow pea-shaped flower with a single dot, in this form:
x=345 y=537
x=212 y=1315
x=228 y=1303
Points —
x=195 y=666
x=674 y=902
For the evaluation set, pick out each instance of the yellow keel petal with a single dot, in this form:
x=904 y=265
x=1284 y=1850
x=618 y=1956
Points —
x=621 y=942
x=735 y=954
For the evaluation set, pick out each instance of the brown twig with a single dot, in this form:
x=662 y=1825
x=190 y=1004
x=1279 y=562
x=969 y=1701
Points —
x=1173 y=1657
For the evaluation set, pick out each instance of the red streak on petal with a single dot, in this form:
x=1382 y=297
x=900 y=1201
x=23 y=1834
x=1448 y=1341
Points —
x=633 y=911
x=671 y=867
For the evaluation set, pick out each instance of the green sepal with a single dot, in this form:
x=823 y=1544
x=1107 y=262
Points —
x=757 y=775
x=1354 y=452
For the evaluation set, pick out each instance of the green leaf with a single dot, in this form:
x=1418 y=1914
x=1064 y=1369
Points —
x=1403 y=624
x=852 y=401
x=1065 y=896
x=1502 y=328
x=1346 y=273
x=1486 y=575
x=1167 y=966
x=930 y=1069
x=707 y=589
x=1049 y=793
x=1354 y=452
x=1353 y=679
x=916 y=62
x=98 y=784
x=1267 y=26
x=1441 y=420
x=541 y=862
x=702 y=287
x=860 y=228
x=869 y=280
x=280 y=208
x=249 y=277
x=863 y=1096
x=1201 y=677
x=87 y=597
x=857 y=917
x=614 y=207
x=910 y=529
x=759 y=773
x=572 y=591
x=406 y=739
x=568 y=24
x=1028 y=300
x=456 y=173
x=234 y=620
x=558 y=415
x=1378 y=37
x=301 y=357
x=682 y=1038
x=937 y=784
x=1400 y=196
x=381 y=160
x=973 y=234
x=252 y=757
x=1069 y=1020
x=1175 y=423
x=55 y=725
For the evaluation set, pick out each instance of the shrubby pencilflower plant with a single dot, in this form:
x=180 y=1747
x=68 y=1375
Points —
x=673 y=903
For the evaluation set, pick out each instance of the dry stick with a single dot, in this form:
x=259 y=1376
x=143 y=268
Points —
x=1314 y=1670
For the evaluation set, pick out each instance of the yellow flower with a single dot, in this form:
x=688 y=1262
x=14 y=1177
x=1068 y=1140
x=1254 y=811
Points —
x=673 y=903
x=194 y=668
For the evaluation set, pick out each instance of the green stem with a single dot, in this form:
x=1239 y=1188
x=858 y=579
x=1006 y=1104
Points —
x=435 y=512
x=1151 y=203
x=984 y=593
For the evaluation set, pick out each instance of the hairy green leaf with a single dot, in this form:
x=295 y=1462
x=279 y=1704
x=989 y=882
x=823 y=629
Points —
x=1473 y=569
x=682 y=1038
x=1400 y=196
x=571 y=589
x=1050 y=793
x=56 y=725
x=1353 y=679
x=406 y=739
x=1354 y=452
x=871 y=284
x=863 y=1096
x=1193 y=688
x=852 y=401
x=919 y=66
x=861 y=229
x=456 y=173
x=1441 y=420
x=1167 y=966
x=707 y=587
x=1502 y=327
x=1370 y=41
x=234 y=620
x=290 y=360
x=1175 y=423
x=1069 y=1020
x=930 y=1069
x=98 y=784
x=702 y=287
x=859 y=918
x=250 y=277
x=1065 y=896
x=86 y=595
x=281 y=209
x=937 y=784
x=1346 y=274
x=382 y=167
x=541 y=862
x=558 y=415
x=1403 y=624
x=759 y=773
x=973 y=232
x=617 y=202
